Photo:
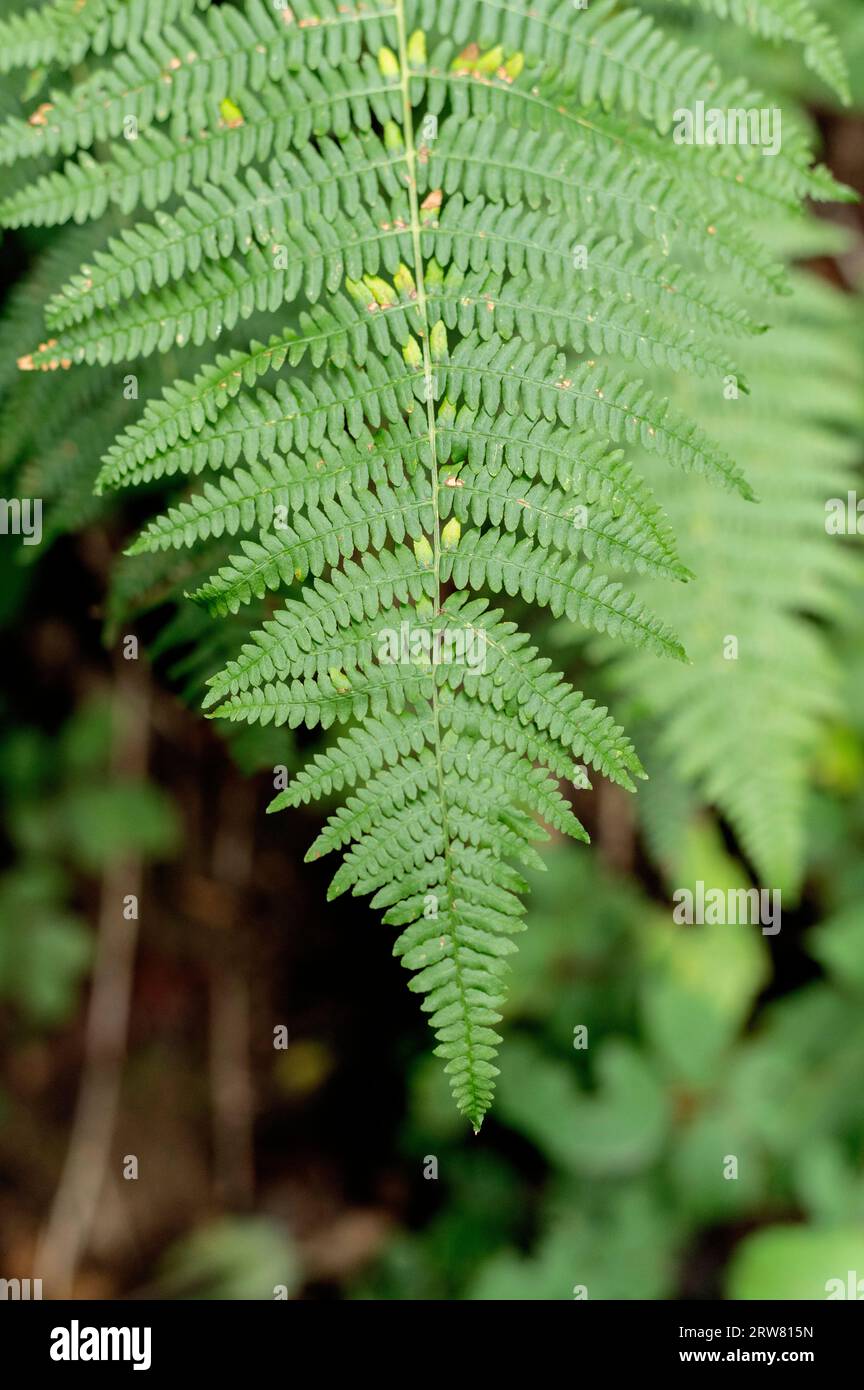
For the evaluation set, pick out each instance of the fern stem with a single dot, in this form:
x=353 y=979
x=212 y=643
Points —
x=475 y=1114
x=411 y=162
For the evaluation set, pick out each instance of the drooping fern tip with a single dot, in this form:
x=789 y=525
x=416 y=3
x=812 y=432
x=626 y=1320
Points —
x=450 y=252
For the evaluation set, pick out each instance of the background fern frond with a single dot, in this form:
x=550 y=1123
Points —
x=794 y=20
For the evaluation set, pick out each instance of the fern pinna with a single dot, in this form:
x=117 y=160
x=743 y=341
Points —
x=468 y=227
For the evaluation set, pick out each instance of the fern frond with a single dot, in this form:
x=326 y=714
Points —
x=173 y=75
x=794 y=20
x=741 y=725
x=439 y=400
x=63 y=31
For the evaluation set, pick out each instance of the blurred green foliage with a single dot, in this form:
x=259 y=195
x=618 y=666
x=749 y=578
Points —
x=64 y=815
x=235 y=1258
x=622 y=1170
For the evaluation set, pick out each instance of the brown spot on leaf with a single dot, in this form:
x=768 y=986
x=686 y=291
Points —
x=40 y=115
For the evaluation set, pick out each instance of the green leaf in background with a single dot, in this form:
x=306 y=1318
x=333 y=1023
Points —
x=65 y=804
x=701 y=981
x=625 y=1251
x=838 y=944
x=703 y=1188
x=107 y=822
x=85 y=741
x=582 y=926
x=44 y=948
x=25 y=762
x=800 y=1077
x=617 y=1130
x=235 y=1258
x=796 y=1262
x=828 y=1187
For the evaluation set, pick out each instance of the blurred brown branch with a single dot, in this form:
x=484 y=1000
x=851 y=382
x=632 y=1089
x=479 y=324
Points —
x=67 y=1232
